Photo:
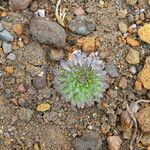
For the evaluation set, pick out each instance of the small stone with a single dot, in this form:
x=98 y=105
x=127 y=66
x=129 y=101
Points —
x=105 y=127
x=6 y=36
x=48 y=32
x=148 y=2
x=89 y=141
x=21 y=102
x=131 y=18
x=87 y=43
x=36 y=147
x=7 y=47
x=123 y=83
x=39 y=82
x=79 y=11
x=144 y=76
x=19 y=5
x=138 y=85
x=1 y=27
x=114 y=142
x=9 y=70
x=122 y=13
x=40 y=12
x=123 y=27
x=18 y=29
x=56 y=54
x=21 y=88
x=126 y=124
x=143 y=117
x=112 y=70
x=82 y=25
x=131 y=2
x=34 y=6
x=132 y=42
x=144 y=33
x=133 y=57
x=145 y=140
x=43 y=107
x=133 y=70
x=11 y=56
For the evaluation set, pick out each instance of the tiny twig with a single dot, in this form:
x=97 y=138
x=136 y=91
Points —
x=135 y=125
x=60 y=14
x=2 y=8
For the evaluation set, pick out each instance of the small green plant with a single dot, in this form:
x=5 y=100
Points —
x=81 y=80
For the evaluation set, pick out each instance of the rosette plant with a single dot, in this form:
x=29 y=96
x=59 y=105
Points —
x=81 y=80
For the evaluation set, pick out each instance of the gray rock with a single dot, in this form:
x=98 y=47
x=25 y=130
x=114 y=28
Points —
x=19 y=5
x=31 y=54
x=7 y=47
x=39 y=82
x=82 y=25
x=112 y=70
x=1 y=27
x=11 y=56
x=48 y=32
x=89 y=141
x=6 y=36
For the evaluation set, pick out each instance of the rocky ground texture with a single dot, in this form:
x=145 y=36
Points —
x=34 y=38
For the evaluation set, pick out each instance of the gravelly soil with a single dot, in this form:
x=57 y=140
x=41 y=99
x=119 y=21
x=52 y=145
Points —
x=62 y=127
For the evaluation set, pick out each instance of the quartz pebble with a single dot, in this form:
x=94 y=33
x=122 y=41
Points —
x=7 y=47
x=6 y=36
x=11 y=56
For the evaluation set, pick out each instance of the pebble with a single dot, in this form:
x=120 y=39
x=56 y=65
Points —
x=133 y=57
x=148 y=2
x=79 y=11
x=39 y=82
x=143 y=117
x=144 y=76
x=56 y=54
x=19 y=5
x=132 y=42
x=7 y=48
x=82 y=25
x=43 y=107
x=6 y=36
x=131 y=2
x=145 y=140
x=144 y=33
x=130 y=18
x=123 y=83
x=105 y=127
x=123 y=27
x=87 y=43
x=126 y=124
x=133 y=70
x=1 y=27
x=11 y=56
x=112 y=70
x=114 y=142
x=9 y=70
x=21 y=88
x=40 y=12
x=89 y=141
x=122 y=13
x=18 y=29
x=48 y=32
